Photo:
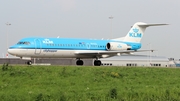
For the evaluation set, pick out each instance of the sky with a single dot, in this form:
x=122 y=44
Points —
x=90 y=19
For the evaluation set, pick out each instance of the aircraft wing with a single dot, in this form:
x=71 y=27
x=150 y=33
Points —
x=108 y=53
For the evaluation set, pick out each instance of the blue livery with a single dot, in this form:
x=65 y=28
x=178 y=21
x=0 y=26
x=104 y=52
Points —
x=38 y=47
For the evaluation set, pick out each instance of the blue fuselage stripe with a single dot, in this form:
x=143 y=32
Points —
x=68 y=44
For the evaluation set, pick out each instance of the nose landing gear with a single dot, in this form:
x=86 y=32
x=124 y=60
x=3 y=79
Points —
x=29 y=62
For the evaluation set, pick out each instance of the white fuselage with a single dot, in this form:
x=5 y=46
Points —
x=39 y=53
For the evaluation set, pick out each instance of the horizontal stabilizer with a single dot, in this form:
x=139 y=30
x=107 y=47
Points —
x=147 y=25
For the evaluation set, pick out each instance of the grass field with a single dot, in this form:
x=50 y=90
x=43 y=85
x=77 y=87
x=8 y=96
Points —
x=88 y=83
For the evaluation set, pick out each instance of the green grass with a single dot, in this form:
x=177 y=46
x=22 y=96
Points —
x=88 y=83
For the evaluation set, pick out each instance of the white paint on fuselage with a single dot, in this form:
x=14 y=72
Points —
x=44 y=54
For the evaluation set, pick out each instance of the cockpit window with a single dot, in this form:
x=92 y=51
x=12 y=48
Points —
x=25 y=43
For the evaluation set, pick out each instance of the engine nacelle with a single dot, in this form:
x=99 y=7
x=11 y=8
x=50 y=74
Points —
x=114 y=46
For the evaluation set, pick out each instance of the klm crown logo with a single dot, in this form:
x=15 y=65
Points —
x=135 y=30
x=135 y=33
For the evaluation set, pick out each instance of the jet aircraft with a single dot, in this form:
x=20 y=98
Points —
x=39 y=47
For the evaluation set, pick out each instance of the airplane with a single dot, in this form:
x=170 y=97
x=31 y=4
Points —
x=39 y=47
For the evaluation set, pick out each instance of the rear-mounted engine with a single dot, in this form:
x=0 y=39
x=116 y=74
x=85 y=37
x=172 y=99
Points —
x=114 y=46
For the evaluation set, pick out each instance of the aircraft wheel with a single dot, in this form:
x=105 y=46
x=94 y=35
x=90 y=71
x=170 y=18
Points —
x=97 y=62
x=29 y=62
x=79 y=62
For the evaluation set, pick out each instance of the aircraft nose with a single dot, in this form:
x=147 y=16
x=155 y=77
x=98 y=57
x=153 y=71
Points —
x=11 y=51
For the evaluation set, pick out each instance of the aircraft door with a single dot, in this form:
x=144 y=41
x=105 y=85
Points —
x=37 y=46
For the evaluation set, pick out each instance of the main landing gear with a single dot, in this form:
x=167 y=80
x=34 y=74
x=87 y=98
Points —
x=97 y=62
x=80 y=62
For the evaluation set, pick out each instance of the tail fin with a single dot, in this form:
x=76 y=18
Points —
x=137 y=31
